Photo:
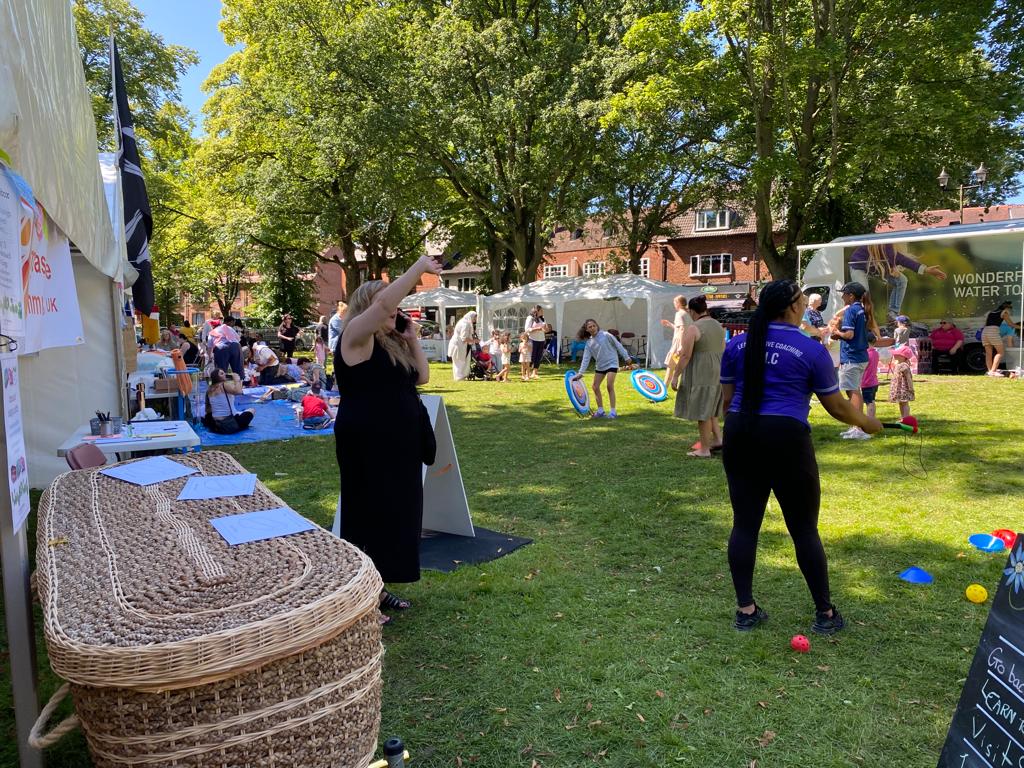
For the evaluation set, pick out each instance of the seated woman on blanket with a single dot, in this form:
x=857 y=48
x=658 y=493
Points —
x=221 y=414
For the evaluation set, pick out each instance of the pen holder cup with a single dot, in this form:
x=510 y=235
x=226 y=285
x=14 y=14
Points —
x=106 y=428
x=94 y=426
x=116 y=423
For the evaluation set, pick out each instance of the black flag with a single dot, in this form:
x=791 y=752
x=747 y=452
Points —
x=138 y=218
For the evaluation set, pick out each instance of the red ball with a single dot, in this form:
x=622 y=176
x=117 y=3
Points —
x=800 y=644
x=1008 y=536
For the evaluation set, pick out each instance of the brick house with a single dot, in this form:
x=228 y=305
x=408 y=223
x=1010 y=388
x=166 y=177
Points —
x=941 y=217
x=711 y=246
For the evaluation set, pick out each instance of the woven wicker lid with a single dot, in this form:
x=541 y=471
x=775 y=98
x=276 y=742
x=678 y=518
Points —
x=140 y=591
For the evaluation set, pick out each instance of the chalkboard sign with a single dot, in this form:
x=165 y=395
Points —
x=988 y=727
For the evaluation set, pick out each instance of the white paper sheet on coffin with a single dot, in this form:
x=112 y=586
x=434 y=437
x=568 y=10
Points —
x=149 y=471
x=217 y=487
x=262 y=524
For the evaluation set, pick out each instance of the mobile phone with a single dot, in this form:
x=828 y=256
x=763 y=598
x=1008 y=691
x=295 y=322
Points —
x=401 y=321
x=450 y=261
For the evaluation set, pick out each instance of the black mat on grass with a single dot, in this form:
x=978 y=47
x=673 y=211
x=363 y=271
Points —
x=445 y=552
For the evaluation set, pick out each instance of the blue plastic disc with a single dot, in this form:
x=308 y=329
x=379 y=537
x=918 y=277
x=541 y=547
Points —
x=579 y=397
x=986 y=542
x=917 y=575
x=649 y=385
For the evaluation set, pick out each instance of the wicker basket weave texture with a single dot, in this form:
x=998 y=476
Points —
x=182 y=650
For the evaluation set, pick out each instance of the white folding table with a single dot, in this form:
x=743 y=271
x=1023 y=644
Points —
x=183 y=439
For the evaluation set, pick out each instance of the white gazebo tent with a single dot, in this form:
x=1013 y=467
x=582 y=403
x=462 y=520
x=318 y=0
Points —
x=628 y=303
x=442 y=298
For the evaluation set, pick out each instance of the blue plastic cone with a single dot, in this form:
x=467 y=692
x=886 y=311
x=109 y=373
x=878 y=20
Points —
x=917 y=575
x=986 y=542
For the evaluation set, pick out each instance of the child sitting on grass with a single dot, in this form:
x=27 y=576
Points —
x=901 y=383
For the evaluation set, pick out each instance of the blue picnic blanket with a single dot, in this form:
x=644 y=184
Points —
x=274 y=420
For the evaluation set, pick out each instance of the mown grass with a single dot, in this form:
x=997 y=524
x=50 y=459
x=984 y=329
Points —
x=608 y=641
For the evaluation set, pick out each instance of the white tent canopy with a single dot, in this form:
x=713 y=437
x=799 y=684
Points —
x=439 y=297
x=442 y=298
x=628 y=303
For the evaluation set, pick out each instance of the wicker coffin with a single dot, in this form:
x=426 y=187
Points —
x=183 y=651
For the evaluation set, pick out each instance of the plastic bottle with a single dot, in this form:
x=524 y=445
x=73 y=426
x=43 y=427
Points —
x=298 y=414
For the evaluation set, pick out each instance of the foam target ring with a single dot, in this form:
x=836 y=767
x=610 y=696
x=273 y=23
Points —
x=579 y=397
x=649 y=385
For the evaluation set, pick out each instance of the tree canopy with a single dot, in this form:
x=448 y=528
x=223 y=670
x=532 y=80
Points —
x=358 y=131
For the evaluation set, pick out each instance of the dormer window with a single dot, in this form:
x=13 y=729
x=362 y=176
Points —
x=712 y=219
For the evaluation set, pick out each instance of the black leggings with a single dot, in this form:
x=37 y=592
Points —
x=536 y=352
x=773 y=453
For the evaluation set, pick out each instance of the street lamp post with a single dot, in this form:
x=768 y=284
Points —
x=980 y=174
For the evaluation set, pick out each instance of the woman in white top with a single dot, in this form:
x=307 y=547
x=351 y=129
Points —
x=458 y=348
x=220 y=403
x=606 y=350
x=535 y=328
x=678 y=325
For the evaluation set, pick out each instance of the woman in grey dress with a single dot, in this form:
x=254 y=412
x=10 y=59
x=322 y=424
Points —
x=699 y=396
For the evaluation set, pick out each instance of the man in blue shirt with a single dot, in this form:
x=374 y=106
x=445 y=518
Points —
x=853 y=344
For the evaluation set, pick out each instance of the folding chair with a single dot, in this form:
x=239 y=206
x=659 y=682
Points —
x=85 y=456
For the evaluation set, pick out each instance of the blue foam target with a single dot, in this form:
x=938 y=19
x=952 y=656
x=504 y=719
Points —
x=579 y=398
x=649 y=385
x=986 y=542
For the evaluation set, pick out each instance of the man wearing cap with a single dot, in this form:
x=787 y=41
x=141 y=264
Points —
x=949 y=340
x=853 y=344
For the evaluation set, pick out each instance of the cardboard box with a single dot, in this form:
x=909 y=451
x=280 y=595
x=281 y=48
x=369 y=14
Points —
x=165 y=384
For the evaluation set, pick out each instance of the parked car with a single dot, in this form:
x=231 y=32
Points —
x=306 y=338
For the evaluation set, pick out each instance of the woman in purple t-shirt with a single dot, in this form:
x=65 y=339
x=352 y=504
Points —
x=768 y=376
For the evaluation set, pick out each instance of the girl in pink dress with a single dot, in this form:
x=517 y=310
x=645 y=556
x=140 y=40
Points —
x=901 y=384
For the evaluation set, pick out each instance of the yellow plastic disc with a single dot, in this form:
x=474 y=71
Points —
x=977 y=593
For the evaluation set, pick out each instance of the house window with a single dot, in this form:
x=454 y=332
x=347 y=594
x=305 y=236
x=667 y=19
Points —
x=198 y=318
x=711 y=265
x=467 y=284
x=577 y=234
x=610 y=230
x=592 y=268
x=712 y=219
x=645 y=267
x=556 y=270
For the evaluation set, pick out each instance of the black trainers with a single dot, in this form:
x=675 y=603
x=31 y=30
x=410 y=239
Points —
x=827 y=625
x=748 y=621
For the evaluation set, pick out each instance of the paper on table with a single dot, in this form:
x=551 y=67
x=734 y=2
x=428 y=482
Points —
x=257 y=526
x=149 y=471
x=154 y=427
x=217 y=486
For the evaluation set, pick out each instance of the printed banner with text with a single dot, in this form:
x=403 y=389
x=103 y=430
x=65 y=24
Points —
x=38 y=261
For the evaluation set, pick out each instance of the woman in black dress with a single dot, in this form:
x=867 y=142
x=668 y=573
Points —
x=383 y=435
x=286 y=332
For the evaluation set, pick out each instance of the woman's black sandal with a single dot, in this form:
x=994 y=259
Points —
x=390 y=602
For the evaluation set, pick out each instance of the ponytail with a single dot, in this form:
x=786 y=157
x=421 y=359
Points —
x=774 y=300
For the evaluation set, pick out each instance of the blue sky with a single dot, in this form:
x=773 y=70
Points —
x=193 y=23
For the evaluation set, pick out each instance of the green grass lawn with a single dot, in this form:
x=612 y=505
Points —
x=608 y=641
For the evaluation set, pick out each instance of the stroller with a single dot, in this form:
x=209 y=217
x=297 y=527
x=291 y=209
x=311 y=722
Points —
x=480 y=365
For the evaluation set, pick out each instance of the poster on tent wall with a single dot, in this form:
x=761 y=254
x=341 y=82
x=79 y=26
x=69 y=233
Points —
x=12 y=292
x=17 y=468
x=49 y=296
